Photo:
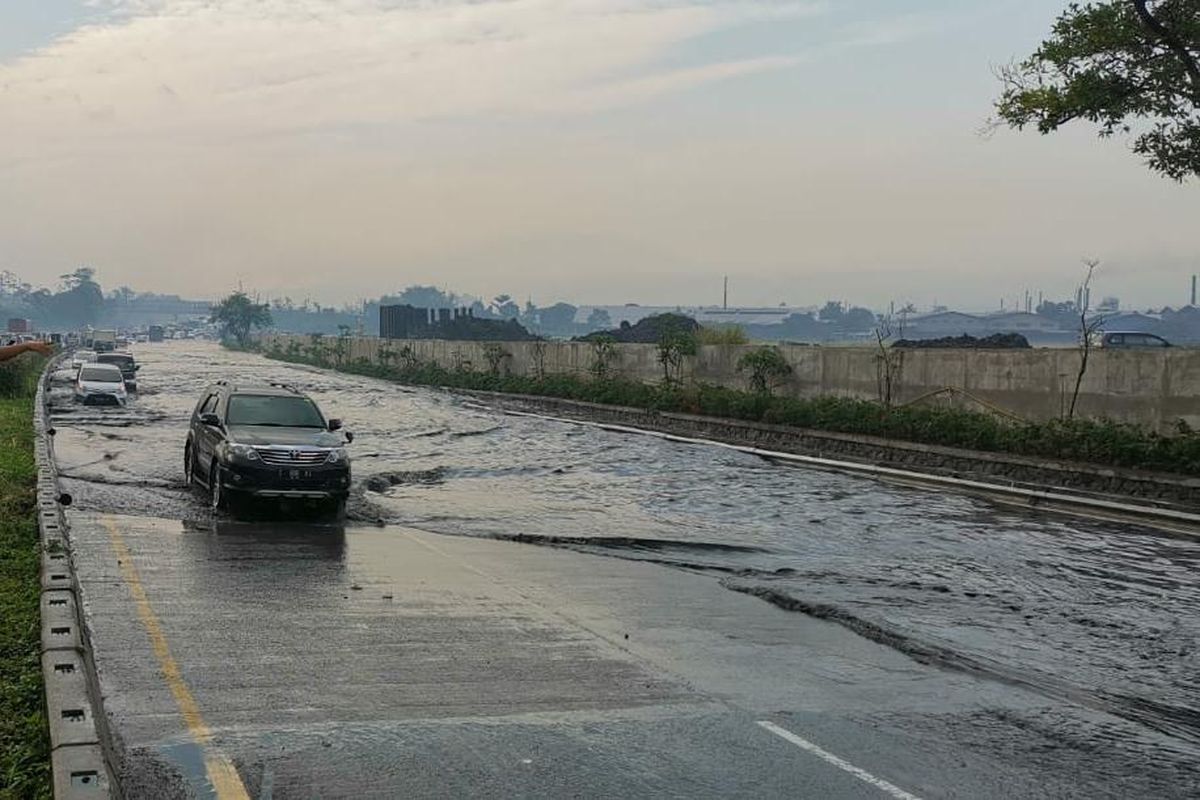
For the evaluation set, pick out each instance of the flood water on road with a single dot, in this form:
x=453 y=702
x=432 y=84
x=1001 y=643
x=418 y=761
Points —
x=1103 y=615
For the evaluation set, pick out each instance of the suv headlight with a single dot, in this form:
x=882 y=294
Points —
x=243 y=452
x=337 y=455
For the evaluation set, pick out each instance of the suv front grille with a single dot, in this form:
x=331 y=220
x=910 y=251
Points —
x=292 y=457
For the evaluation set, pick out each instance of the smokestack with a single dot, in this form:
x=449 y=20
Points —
x=725 y=300
x=1193 y=290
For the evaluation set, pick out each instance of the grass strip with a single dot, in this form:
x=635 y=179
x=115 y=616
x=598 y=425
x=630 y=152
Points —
x=24 y=741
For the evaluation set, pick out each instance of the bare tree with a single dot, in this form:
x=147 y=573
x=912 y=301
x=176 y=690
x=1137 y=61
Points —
x=1087 y=330
x=888 y=361
x=539 y=360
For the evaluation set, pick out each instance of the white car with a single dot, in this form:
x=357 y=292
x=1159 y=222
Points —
x=82 y=357
x=100 y=383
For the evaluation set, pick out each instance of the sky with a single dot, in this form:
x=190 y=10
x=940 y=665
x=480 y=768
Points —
x=596 y=151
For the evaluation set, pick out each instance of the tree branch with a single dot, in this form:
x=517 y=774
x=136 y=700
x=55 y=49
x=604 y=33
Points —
x=1173 y=42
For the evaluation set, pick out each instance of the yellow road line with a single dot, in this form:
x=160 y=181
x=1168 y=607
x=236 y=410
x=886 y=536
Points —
x=221 y=773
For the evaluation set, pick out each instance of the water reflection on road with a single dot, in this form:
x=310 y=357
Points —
x=1098 y=613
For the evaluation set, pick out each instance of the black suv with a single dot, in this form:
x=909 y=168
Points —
x=267 y=442
x=129 y=368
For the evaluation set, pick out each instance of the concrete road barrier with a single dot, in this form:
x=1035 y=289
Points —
x=78 y=765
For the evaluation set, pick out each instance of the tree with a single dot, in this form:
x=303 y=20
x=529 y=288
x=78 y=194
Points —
x=122 y=296
x=1087 y=332
x=558 y=318
x=722 y=335
x=237 y=315
x=857 y=319
x=81 y=299
x=889 y=362
x=604 y=353
x=505 y=307
x=422 y=297
x=599 y=319
x=78 y=278
x=801 y=326
x=675 y=341
x=832 y=311
x=767 y=368
x=1130 y=66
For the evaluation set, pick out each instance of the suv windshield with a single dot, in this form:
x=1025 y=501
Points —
x=104 y=374
x=276 y=410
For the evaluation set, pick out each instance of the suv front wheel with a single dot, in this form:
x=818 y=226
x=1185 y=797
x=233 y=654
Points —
x=189 y=466
x=216 y=487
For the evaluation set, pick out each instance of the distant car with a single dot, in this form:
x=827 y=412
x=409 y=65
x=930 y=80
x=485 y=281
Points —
x=82 y=357
x=1129 y=340
x=266 y=442
x=124 y=362
x=100 y=384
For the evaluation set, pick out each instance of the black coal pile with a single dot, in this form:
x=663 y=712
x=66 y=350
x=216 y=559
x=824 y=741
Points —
x=997 y=341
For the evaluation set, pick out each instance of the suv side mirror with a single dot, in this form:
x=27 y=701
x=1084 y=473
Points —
x=349 y=437
x=335 y=425
x=210 y=418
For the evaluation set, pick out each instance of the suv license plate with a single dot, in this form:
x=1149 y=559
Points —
x=295 y=474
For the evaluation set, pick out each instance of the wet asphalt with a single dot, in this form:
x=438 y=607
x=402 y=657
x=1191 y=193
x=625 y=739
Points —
x=517 y=607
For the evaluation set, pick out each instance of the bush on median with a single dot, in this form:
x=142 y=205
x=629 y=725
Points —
x=1093 y=441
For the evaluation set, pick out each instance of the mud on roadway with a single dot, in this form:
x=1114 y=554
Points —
x=1078 y=638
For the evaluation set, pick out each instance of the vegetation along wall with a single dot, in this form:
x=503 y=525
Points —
x=1157 y=389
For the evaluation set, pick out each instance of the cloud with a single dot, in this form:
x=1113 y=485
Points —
x=352 y=146
x=196 y=69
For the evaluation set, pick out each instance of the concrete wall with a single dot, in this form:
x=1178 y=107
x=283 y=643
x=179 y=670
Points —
x=1151 y=388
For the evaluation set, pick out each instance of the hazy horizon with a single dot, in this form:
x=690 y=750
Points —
x=599 y=151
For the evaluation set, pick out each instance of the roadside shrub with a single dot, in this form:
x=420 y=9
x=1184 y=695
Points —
x=604 y=353
x=19 y=377
x=722 y=334
x=675 y=342
x=767 y=368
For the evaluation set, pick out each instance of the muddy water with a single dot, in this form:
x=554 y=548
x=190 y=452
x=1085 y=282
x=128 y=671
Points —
x=1104 y=616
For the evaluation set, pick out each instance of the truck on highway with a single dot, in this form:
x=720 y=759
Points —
x=104 y=341
x=156 y=333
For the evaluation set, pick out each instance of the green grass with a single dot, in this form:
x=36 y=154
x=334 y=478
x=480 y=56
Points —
x=24 y=743
x=1102 y=442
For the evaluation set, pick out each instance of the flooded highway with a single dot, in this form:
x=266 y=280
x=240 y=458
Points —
x=1101 y=621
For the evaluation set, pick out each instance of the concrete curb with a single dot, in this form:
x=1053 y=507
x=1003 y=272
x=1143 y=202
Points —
x=79 y=769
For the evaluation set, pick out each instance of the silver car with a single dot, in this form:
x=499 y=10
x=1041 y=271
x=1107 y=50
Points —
x=1128 y=340
x=100 y=384
x=82 y=357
